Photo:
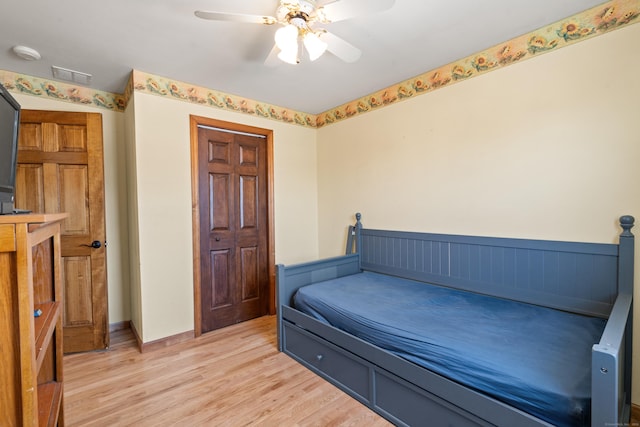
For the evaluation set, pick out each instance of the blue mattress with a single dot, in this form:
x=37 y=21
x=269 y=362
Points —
x=533 y=358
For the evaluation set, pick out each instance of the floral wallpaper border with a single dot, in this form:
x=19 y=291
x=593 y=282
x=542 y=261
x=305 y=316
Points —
x=161 y=86
x=59 y=91
x=598 y=20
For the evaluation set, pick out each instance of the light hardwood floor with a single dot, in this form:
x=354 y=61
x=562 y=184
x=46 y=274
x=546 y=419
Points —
x=230 y=377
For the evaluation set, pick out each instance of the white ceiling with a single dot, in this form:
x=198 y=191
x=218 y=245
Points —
x=110 y=38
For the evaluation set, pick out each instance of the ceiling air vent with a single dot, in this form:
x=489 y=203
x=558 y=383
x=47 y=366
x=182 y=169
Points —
x=71 y=75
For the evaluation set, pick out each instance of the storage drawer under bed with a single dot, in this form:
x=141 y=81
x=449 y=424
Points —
x=401 y=402
x=405 y=404
x=343 y=369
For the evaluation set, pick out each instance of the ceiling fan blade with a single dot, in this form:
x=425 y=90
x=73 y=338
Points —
x=272 y=59
x=340 y=48
x=235 y=17
x=345 y=9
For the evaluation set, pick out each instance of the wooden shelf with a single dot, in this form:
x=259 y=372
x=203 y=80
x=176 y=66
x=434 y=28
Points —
x=40 y=218
x=49 y=400
x=44 y=326
x=31 y=369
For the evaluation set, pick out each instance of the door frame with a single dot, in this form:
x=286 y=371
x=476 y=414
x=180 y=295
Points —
x=194 y=122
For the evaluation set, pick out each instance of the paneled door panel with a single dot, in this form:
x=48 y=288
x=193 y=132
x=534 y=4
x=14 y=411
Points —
x=30 y=176
x=233 y=231
x=74 y=197
x=250 y=273
x=60 y=169
x=77 y=270
x=219 y=200
x=220 y=279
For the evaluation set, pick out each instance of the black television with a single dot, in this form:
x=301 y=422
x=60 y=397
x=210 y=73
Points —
x=9 y=125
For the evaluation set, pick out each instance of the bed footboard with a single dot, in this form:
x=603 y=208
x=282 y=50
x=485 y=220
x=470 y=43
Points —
x=290 y=278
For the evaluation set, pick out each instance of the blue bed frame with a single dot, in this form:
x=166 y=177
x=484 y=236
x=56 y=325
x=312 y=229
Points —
x=587 y=278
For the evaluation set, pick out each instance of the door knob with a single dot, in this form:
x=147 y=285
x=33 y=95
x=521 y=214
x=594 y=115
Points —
x=95 y=244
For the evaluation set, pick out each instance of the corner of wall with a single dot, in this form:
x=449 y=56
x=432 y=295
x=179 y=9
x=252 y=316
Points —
x=133 y=223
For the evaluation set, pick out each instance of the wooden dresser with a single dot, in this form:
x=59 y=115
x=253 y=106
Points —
x=31 y=346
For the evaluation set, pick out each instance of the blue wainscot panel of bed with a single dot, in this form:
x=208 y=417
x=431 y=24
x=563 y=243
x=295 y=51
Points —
x=440 y=330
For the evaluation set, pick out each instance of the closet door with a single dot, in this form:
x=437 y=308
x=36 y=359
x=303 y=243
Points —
x=60 y=169
x=233 y=227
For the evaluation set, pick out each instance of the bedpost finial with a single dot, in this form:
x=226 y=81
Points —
x=626 y=222
x=358 y=216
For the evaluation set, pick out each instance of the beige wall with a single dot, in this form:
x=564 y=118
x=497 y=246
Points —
x=548 y=148
x=115 y=200
x=162 y=187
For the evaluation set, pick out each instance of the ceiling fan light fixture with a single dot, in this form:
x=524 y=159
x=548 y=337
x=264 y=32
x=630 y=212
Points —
x=286 y=38
x=315 y=47
x=299 y=31
x=289 y=56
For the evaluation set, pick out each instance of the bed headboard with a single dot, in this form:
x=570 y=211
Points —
x=578 y=277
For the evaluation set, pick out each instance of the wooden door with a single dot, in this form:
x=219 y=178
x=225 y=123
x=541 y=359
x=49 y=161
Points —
x=60 y=169
x=232 y=179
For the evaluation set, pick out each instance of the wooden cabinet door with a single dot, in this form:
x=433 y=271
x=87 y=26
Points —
x=60 y=169
x=233 y=227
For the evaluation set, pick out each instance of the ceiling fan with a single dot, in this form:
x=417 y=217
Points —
x=300 y=20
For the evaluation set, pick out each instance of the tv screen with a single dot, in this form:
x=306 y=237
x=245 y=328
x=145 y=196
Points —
x=9 y=125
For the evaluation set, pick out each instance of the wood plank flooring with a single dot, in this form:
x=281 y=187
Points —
x=230 y=377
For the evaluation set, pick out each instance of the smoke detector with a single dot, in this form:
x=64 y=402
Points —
x=26 y=53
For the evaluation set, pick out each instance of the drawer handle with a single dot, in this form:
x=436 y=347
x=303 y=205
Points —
x=319 y=357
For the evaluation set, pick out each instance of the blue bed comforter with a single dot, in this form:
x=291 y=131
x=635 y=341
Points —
x=533 y=358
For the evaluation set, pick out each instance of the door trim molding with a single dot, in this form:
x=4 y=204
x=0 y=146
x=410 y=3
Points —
x=194 y=122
